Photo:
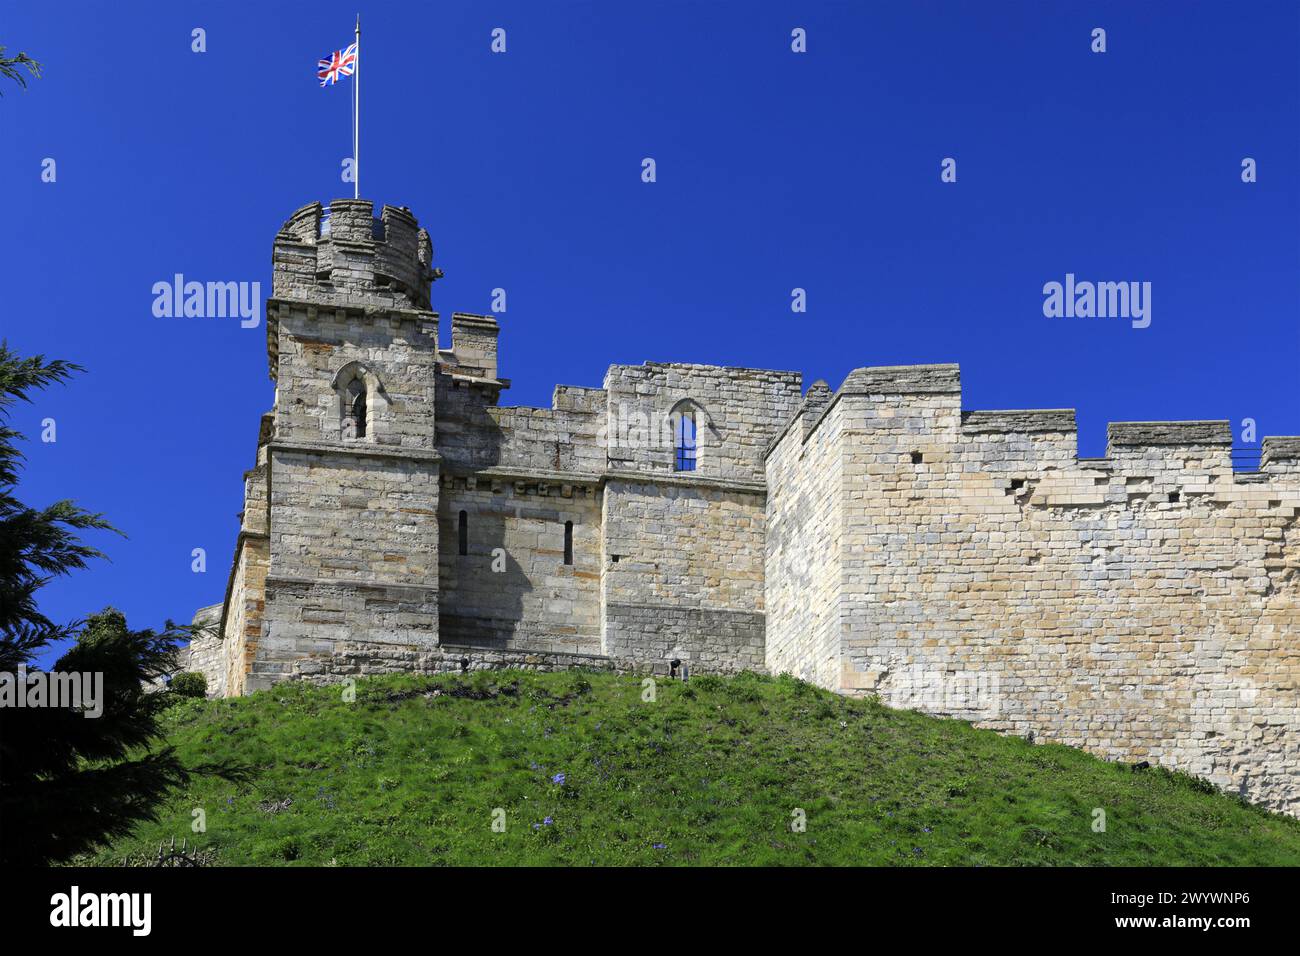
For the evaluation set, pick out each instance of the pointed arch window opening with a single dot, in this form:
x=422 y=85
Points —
x=357 y=389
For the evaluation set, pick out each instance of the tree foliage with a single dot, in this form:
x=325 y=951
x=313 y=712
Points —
x=10 y=68
x=69 y=781
x=36 y=544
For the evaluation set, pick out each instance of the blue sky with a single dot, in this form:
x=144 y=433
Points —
x=775 y=170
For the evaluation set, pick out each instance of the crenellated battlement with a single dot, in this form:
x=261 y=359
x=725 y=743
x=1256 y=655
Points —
x=924 y=403
x=347 y=256
x=1027 y=421
x=474 y=345
x=1281 y=456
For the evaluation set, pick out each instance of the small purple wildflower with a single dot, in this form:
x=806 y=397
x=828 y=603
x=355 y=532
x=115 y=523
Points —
x=661 y=846
x=548 y=821
x=558 y=778
x=926 y=830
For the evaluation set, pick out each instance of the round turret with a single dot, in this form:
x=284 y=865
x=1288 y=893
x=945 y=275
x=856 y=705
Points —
x=347 y=256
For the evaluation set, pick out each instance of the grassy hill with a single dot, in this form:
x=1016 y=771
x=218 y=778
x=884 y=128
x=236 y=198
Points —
x=711 y=772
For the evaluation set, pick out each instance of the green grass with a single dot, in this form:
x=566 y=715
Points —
x=713 y=770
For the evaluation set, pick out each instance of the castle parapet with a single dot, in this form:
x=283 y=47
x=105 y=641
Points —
x=1281 y=455
x=904 y=380
x=575 y=398
x=474 y=343
x=1019 y=421
x=1198 y=445
x=815 y=402
x=350 y=257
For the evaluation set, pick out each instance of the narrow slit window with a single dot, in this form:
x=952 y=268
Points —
x=568 y=542
x=354 y=413
x=684 y=440
x=463 y=532
x=359 y=412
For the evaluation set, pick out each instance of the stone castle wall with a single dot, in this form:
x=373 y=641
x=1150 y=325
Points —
x=738 y=412
x=1143 y=606
x=804 y=582
x=683 y=569
x=684 y=573
x=879 y=539
x=512 y=590
x=243 y=613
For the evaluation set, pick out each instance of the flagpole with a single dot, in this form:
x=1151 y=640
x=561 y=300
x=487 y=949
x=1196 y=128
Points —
x=356 y=119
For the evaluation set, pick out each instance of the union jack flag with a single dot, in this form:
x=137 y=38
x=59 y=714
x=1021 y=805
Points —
x=337 y=64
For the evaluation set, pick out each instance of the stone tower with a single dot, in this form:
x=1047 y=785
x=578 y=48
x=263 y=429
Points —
x=347 y=456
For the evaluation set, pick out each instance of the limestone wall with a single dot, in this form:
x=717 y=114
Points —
x=357 y=517
x=1144 y=606
x=804 y=550
x=708 y=640
x=315 y=348
x=475 y=433
x=364 y=659
x=353 y=553
x=683 y=570
x=239 y=618
x=348 y=257
x=513 y=589
x=308 y=621
x=205 y=652
x=244 y=611
x=741 y=410
x=353 y=534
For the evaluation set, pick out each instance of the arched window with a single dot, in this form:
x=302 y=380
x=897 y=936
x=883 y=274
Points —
x=684 y=442
x=568 y=542
x=463 y=533
x=359 y=395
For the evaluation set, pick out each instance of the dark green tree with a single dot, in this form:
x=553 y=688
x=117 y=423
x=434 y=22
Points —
x=35 y=544
x=69 y=782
